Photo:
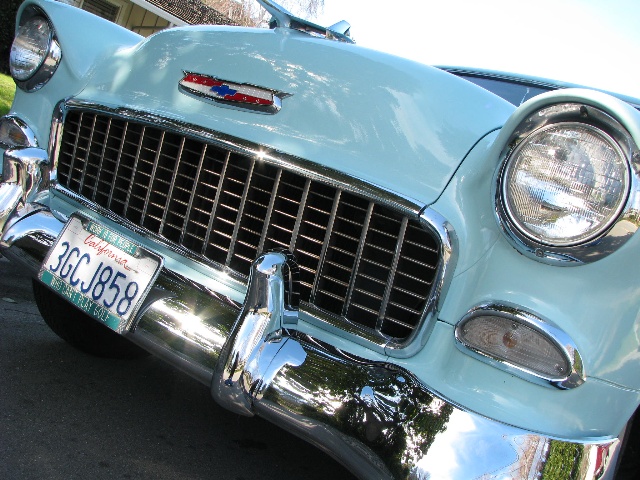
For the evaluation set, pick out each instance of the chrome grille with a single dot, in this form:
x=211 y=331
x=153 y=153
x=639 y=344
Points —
x=358 y=259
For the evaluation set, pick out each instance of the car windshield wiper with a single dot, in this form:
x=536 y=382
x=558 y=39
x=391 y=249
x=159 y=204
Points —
x=282 y=18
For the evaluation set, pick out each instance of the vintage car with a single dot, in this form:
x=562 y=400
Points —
x=386 y=259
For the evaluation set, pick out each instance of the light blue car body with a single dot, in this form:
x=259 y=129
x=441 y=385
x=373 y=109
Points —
x=415 y=131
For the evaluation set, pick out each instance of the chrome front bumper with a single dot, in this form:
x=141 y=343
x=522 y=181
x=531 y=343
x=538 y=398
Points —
x=375 y=418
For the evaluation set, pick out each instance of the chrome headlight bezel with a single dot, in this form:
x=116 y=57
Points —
x=609 y=236
x=48 y=60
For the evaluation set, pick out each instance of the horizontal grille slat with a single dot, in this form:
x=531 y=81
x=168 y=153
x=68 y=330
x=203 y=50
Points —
x=358 y=259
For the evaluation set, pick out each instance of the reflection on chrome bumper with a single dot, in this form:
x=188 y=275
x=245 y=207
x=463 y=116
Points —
x=376 y=418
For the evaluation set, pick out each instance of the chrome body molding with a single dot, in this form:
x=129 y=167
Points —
x=428 y=218
x=572 y=379
x=28 y=235
x=28 y=169
x=10 y=196
x=376 y=418
x=24 y=179
x=618 y=232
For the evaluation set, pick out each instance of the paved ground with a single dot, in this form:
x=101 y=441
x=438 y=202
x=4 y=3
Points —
x=67 y=415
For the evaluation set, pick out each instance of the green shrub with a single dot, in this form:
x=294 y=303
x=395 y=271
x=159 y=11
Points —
x=7 y=90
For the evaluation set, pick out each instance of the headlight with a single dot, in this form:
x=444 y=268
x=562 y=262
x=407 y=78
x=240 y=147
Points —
x=564 y=187
x=35 y=53
x=565 y=184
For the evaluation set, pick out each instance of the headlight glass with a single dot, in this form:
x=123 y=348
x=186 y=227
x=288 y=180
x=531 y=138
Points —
x=30 y=48
x=565 y=184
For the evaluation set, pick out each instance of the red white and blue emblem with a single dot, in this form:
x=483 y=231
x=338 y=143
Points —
x=238 y=95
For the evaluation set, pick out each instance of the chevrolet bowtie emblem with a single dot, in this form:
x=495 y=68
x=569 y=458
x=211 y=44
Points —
x=235 y=95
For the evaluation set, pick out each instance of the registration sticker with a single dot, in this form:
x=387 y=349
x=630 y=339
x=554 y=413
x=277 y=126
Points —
x=101 y=272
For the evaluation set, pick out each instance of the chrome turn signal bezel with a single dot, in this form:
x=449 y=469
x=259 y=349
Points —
x=15 y=133
x=575 y=375
x=617 y=231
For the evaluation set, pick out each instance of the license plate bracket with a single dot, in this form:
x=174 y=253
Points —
x=100 y=271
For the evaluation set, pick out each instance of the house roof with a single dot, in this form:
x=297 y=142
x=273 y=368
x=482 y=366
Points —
x=193 y=12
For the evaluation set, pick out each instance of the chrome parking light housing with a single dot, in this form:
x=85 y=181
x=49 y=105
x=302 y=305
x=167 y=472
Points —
x=521 y=343
x=567 y=184
x=15 y=133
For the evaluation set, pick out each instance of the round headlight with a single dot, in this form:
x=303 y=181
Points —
x=565 y=184
x=30 y=48
x=35 y=54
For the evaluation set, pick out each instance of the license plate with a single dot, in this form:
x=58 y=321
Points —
x=101 y=272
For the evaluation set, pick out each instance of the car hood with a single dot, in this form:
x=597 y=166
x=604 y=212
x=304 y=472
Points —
x=397 y=124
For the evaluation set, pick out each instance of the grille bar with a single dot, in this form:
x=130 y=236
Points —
x=194 y=190
x=243 y=200
x=153 y=174
x=86 y=163
x=392 y=273
x=296 y=227
x=359 y=259
x=272 y=200
x=325 y=243
x=214 y=210
x=102 y=156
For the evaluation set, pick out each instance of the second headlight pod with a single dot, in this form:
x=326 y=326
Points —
x=567 y=183
x=35 y=53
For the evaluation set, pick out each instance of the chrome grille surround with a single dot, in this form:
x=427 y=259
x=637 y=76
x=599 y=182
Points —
x=172 y=175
